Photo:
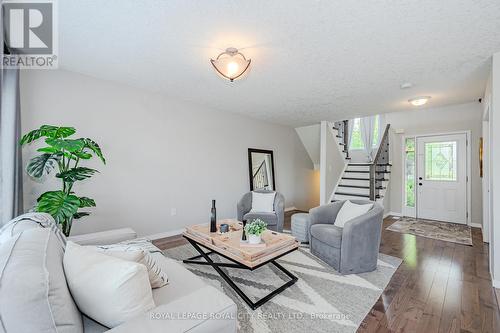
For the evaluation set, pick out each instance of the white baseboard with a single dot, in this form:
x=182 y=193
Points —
x=476 y=225
x=290 y=208
x=166 y=234
x=392 y=214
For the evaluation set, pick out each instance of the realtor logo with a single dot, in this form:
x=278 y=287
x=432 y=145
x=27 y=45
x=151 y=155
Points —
x=29 y=34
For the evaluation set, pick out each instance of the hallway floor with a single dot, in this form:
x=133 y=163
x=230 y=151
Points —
x=439 y=287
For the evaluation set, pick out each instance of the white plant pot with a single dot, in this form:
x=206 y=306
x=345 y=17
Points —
x=254 y=239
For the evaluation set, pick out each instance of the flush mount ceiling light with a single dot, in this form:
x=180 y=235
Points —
x=231 y=64
x=406 y=85
x=419 y=101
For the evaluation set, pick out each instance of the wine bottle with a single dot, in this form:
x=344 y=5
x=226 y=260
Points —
x=244 y=234
x=213 y=218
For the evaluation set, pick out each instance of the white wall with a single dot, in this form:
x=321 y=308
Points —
x=161 y=153
x=434 y=120
x=310 y=137
x=332 y=162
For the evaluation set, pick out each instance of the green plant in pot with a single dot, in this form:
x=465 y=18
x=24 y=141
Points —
x=254 y=231
x=66 y=155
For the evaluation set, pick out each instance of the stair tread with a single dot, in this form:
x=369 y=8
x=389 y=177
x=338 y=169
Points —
x=353 y=194
x=359 y=186
x=354 y=186
x=364 y=171
x=357 y=195
x=354 y=178
x=368 y=164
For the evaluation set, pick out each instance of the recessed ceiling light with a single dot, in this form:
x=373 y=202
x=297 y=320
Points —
x=419 y=101
x=406 y=85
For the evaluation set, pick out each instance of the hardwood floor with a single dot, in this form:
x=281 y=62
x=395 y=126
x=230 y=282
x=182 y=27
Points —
x=439 y=287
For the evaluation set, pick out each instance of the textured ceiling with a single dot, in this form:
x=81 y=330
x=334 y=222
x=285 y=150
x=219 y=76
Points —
x=311 y=60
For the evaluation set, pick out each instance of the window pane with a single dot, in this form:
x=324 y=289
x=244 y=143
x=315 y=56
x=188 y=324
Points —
x=376 y=132
x=410 y=172
x=441 y=161
x=356 y=142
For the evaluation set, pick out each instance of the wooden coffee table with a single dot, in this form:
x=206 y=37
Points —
x=241 y=255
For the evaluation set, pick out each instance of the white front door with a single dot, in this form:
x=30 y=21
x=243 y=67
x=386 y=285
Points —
x=442 y=178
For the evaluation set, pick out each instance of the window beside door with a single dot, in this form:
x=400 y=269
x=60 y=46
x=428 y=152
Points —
x=409 y=172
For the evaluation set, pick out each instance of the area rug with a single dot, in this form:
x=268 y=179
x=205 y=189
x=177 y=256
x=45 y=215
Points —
x=320 y=301
x=445 y=231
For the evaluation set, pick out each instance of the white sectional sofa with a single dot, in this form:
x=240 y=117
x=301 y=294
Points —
x=32 y=248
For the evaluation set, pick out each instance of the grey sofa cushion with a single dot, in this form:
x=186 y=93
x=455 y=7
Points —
x=31 y=221
x=328 y=234
x=104 y=237
x=92 y=326
x=181 y=281
x=269 y=218
x=34 y=296
x=186 y=293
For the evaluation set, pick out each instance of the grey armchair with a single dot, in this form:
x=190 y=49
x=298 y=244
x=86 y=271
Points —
x=274 y=220
x=352 y=249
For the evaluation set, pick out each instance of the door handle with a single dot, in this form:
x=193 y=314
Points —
x=419 y=184
x=419 y=178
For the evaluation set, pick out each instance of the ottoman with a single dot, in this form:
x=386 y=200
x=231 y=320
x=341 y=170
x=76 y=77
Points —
x=300 y=227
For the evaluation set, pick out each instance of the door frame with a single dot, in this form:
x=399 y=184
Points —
x=486 y=180
x=412 y=212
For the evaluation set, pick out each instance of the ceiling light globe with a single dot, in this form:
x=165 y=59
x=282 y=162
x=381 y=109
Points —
x=419 y=101
x=231 y=64
x=232 y=68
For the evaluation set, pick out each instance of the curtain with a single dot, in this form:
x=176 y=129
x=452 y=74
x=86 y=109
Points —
x=350 y=126
x=366 y=128
x=381 y=127
x=11 y=194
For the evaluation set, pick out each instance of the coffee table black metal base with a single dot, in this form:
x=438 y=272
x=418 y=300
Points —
x=234 y=264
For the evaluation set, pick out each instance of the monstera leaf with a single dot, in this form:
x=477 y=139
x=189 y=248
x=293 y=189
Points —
x=42 y=165
x=92 y=145
x=66 y=144
x=79 y=215
x=50 y=150
x=82 y=155
x=79 y=173
x=47 y=131
x=60 y=205
x=86 y=202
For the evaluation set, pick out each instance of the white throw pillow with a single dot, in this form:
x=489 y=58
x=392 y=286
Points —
x=350 y=211
x=107 y=289
x=157 y=277
x=263 y=202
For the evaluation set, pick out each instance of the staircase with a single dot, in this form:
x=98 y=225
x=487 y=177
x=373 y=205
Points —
x=341 y=129
x=363 y=181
